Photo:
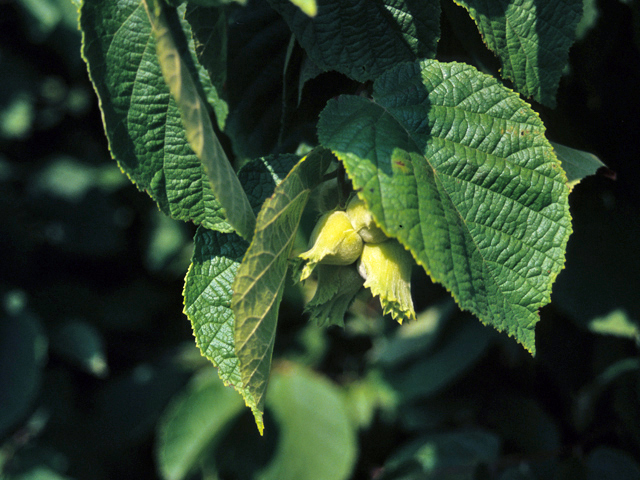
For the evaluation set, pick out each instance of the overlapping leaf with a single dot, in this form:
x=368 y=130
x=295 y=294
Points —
x=362 y=39
x=143 y=125
x=216 y=259
x=458 y=169
x=198 y=127
x=260 y=280
x=531 y=38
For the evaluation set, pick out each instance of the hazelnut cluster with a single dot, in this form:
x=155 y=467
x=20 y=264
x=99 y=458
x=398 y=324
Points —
x=345 y=237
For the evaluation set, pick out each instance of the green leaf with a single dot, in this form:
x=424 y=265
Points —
x=207 y=299
x=531 y=38
x=576 y=163
x=259 y=283
x=363 y=39
x=142 y=121
x=336 y=290
x=193 y=424
x=198 y=128
x=39 y=472
x=317 y=439
x=216 y=259
x=366 y=396
x=457 y=168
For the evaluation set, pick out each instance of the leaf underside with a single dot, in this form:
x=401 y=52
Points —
x=457 y=168
x=259 y=283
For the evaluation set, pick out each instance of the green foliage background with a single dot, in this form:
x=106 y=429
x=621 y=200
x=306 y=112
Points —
x=99 y=374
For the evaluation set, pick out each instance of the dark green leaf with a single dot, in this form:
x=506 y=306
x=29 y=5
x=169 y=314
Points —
x=457 y=168
x=531 y=38
x=82 y=344
x=337 y=288
x=209 y=31
x=258 y=40
x=439 y=368
x=198 y=128
x=142 y=122
x=363 y=39
x=600 y=278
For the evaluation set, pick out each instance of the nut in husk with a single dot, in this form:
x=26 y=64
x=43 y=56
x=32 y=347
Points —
x=334 y=242
x=386 y=268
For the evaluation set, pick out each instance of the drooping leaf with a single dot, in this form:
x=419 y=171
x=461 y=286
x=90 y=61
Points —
x=216 y=259
x=317 y=439
x=193 y=424
x=457 y=168
x=576 y=163
x=259 y=283
x=198 y=128
x=362 y=39
x=142 y=121
x=531 y=38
